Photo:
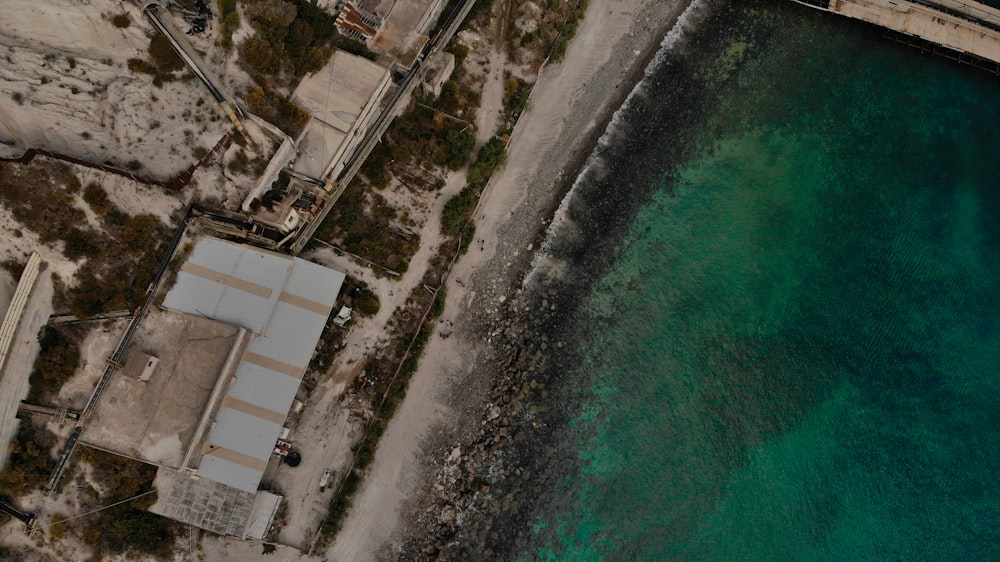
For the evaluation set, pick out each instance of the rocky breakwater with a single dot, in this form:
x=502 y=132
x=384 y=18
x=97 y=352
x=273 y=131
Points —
x=483 y=492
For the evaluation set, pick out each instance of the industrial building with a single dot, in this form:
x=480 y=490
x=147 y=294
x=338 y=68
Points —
x=235 y=338
x=343 y=99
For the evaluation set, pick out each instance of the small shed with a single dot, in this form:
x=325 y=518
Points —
x=140 y=365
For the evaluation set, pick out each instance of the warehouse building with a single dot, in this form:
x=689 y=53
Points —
x=211 y=424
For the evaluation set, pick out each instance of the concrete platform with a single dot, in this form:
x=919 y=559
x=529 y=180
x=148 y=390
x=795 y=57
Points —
x=966 y=27
x=155 y=421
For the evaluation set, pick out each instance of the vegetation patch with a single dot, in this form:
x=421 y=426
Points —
x=436 y=130
x=57 y=361
x=121 y=21
x=230 y=16
x=457 y=211
x=127 y=527
x=515 y=99
x=277 y=109
x=120 y=259
x=29 y=464
x=554 y=26
x=364 y=223
x=163 y=55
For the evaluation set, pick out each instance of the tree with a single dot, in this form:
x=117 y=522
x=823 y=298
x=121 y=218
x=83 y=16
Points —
x=460 y=145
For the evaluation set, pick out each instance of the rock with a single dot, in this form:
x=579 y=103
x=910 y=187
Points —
x=448 y=515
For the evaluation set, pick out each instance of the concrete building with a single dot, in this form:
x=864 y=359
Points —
x=438 y=72
x=229 y=370
x=343 y=99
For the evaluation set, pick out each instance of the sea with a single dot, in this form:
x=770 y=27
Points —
x=785 y=337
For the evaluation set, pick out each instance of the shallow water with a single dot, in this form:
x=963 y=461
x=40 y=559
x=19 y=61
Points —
x=793 y=351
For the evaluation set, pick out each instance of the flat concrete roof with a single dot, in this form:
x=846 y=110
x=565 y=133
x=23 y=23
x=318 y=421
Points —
x=339 y=91
x=252 y=412
x=317 y=145
x=341 y=98
x=156 y=421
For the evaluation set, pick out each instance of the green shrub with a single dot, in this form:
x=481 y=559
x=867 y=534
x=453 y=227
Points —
x=57 y=527
x=457 y=210
x=57 y=361
x=366 y=302
x=82 y=244
x=460 y=146
x=488 y=159
x=141 y=66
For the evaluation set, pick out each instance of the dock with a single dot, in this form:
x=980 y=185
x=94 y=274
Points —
x=964 y=27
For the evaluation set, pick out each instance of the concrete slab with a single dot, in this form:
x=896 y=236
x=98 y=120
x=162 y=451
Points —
x=156 y=420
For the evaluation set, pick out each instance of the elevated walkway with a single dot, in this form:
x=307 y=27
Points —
x=965 y=27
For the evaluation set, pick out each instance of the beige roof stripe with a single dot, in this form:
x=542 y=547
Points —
x=253 y=410
x=235 y=457
x=304 y=303
x=227 y=280
x=273 y=364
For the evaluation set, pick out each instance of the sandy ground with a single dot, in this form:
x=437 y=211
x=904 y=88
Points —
x=568 y=107
x=66 y=87
x=325 y=419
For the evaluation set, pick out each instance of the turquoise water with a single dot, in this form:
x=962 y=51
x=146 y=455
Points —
x=798 y=344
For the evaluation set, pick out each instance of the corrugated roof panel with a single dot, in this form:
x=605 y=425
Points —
x=286 y=302
x=291 y=335
x=243 y=433
x=314 y=282
x=235 y=284
x=263 y=387
x=229 y=473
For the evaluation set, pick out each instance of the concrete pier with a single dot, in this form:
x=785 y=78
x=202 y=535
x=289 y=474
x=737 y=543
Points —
x=965 y=27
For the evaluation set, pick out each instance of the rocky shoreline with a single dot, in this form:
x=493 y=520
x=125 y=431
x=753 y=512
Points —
x=479 y=496
x=484 y=488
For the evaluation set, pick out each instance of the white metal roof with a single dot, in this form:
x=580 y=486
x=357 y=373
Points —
x=229 y=280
